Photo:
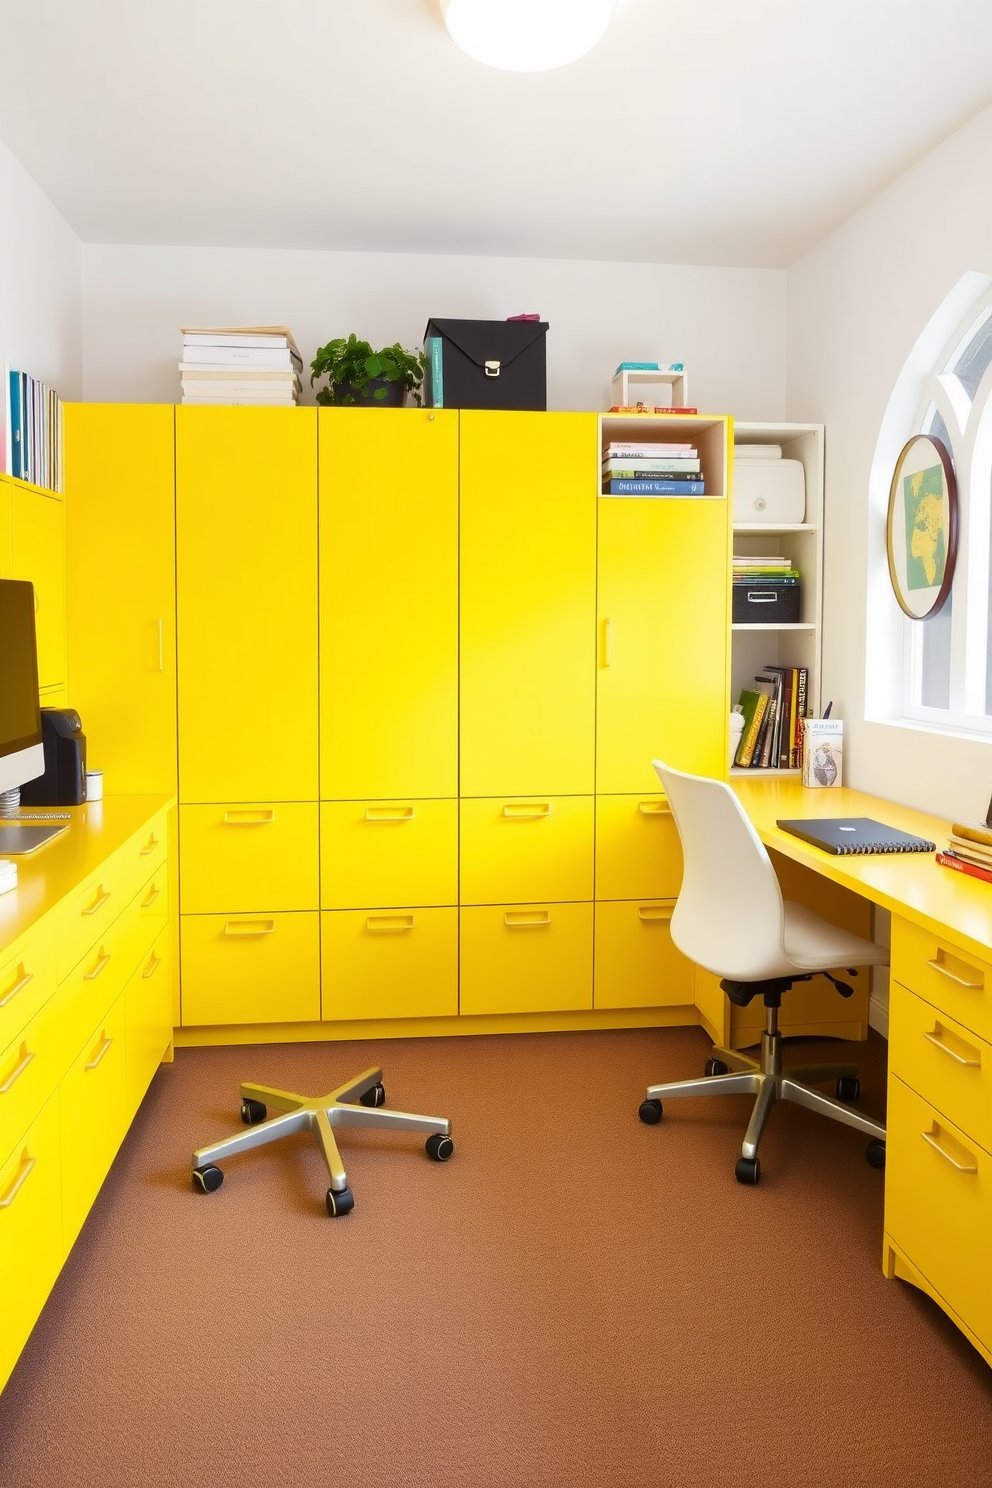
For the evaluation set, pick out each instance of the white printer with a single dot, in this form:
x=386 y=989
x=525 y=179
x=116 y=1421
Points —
x=768 y=488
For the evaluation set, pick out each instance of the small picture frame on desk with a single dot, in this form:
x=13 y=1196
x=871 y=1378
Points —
x=921 y=531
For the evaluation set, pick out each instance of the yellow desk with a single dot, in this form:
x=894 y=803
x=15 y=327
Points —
x=938 y=1179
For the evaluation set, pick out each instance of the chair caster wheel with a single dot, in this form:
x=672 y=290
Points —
x=848 y=1088
x=208 y=1179
x=339 y=1201
x=748 y=1170
x=252 y=1112
x=374 y=1097
x=439 y=1148
x=875 y=1153
x=715 y=1067
x=650 y=1112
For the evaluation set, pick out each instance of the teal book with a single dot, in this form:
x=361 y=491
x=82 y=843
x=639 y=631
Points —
x=435 y=367
x=15 y=457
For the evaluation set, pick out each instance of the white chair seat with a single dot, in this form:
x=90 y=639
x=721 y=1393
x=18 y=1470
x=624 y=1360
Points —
x=812 y=944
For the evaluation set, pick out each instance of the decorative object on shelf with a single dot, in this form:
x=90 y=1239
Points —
x=486 y=363
x=823 y=752
x=358 y=375
x=768 y=490
x=921 y=530
x=526 y=35
x=651 y=376
x=253 y=365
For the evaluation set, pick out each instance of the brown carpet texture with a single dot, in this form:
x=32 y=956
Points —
x=575 y=1300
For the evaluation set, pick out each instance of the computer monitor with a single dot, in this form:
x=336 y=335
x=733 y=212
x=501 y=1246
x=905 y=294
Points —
x=22 y=757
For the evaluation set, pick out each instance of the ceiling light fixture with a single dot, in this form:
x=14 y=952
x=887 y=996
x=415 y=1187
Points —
x=526 y=35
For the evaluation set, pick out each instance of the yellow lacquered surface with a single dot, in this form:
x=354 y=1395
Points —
x=376 y=853
x=249 y=857
x=27 y=981
x=528 y=583
x=389 y=603
x=955 y=981
x=147 y=1020
x=246 y=554
x=38 y=554
x=146 y=853
x=5 y=553
x=396 y=963
x=518 y=849
x=250 y=968
x=30 y=1068
x=522 y=958
x=147 y=915
x=31 y=1248
x=947 y=1064
x=637 y=848
x=91 y=1100
x=662 y=640
x=88 y=914
x=121 y=589
x=636 y=964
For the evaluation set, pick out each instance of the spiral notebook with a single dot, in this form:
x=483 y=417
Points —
x=855 y=834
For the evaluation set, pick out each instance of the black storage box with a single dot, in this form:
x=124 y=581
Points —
x=486 y=364
x=765 y=604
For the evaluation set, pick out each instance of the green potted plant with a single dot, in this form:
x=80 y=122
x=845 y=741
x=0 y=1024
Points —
x=357 y=375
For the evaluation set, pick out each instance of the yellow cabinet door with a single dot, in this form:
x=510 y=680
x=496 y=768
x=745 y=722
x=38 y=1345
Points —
x=250 y=968
x=638 y=851
x=389 y=963
x=5 y=555
x=121 y=589
x=246 y=561
x=663 y=636
x=522 y=849
x=379 y=853
x=388 y=603
x=31 y=1248
x=525 y=958
x=636 y=963
x=528 y=584
x=237 y=857
x=38 y=554
x=147 y=1020
x=91 y=1100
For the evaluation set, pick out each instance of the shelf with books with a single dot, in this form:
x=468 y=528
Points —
x=704 y=434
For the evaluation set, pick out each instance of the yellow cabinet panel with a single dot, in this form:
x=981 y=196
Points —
x=637 y=848
x=389 y=603
x=30 y=1068
x=145 y=854
x=5 y=553
x=521 y=849
x=27 y=981
x=91 y=1100
x=528 y=581
x=38 y=554
x=663 y=634
x=246 y=557
x=88 y=913
x=945 y=1063
x=250 y=968
x=30 y=1232
x=636 y=963
x=240 y=857
x=121 y=589
x=147 y=1020
x=953 y=981
x=380 y=853
x=534 y=958
x=389 y=963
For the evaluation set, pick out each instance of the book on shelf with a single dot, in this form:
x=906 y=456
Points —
x=752 y=704
x=973 y=870
x=257 y=336
x=223 y=357
x=771 y=682
x=973 y=852
x=196 y=372
x=640 y=367
x=973 y=832
x=684 y=487
x=632 y=466
x=650 y=448
x=33 y=434
x=641 y=408
x=787 y=714
x=239 y=384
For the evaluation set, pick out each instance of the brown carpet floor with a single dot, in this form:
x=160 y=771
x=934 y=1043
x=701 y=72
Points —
x=575 y=1299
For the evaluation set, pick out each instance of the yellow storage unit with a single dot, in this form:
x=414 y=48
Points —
x=637 y=848
x=91 y=1101
x=38 y=554
x=5 y=553
x=250 y=968
x=528 y=585
x=381 y=853
x=523 y=849
x=389 y=603
x=533 y=958
x=31 y=1248
x=636 y=964
x=147 y=1010
x=27 y=981
x=258 y=857
x=391 y=963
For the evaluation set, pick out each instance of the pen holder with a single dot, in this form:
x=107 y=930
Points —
x=823 y=751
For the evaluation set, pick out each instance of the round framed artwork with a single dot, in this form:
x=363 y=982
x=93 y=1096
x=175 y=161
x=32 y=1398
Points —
x=921 y=532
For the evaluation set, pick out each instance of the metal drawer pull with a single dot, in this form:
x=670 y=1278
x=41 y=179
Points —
x=961 y=981
x=98 y=902
x=654 y=912
x=152 y=967
x=153 y=893
x=260 y=816
x=101 y=965
x=932 y=1138
x=527 y=919
x=389 y=924
x=149 y=846
x=241 y=928
x=527 y=811
x=104 y=1046
x=654 y=808
x=939 y=1038
x=26 y=1057
x=27 y=1164
x=25 y=977
x=389 y=813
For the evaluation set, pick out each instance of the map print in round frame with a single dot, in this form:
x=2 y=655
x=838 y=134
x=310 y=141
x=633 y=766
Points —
x=921 y=530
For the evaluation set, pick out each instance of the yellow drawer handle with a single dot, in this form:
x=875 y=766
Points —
x=654 y=808
x=935 y=1137
x=654 y=913
x=23 y=978
x=944 y=1040
x=102 y=962
x=242 y=928
x=98 y=902
x=389 y=924
x=153 y=893
x=524 y=919
x=527 y=811
x=161 y=644
x=152 y=967
x=26 y=1057
x=961 y=981
x=105 y=1044
x=259 y=817
x=23 y=1172
x=389 y=813
x=149 y=846
x=607 y=643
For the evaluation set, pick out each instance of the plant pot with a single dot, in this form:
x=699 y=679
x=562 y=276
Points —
x=367 y=397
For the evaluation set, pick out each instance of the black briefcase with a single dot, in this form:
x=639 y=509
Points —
x=486 y=364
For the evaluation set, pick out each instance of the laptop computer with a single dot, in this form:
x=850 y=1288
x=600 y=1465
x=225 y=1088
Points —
x=855 y=834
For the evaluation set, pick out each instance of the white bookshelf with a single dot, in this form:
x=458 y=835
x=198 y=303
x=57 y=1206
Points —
x=644 y=385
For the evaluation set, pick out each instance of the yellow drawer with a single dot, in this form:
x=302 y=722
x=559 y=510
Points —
x=30 y=1069
x=147 y=1020
x=248 y=858
x=389 y=964
x=533 y=958
x=94 y=983
x=956 y=983
x=30 y=1232
x=636 y=964
x=86 y=915
x=91 y=1100
x=27 y=981
x=375 y=854
x=943 y=1062
x=261 y=968
x=938 y=1205
x=638 y=852
x=521 y=849
x=145 y=853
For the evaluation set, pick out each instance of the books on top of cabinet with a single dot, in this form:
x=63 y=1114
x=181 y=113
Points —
x=653 y=468
x=969 y=850
x=231 y=364
x=31 y=437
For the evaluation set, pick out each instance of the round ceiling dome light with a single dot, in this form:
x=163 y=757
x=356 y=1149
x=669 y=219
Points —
x=527 y=35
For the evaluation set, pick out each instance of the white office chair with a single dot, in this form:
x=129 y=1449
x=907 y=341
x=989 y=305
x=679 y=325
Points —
x=731 y=919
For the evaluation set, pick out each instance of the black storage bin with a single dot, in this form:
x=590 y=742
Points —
x=486 y=364
x=765 y=604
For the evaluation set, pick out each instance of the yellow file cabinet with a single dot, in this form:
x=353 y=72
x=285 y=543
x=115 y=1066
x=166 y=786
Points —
x=525 y=958
x=520 y=849
x=389 y=963
x=38 y=554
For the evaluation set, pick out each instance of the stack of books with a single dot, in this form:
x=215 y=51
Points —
x=774 y=710
x=240 y=364
x=652 y=469
x=969 y=850
x=769 y=569
x=31 y=438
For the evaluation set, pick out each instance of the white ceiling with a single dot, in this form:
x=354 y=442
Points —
x=700 y=131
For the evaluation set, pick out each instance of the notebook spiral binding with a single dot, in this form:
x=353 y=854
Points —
x=918 y=844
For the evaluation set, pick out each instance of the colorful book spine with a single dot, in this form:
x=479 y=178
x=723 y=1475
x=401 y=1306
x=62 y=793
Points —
x=749 y=736
x=976 y=831
x=15 y=462
x=632 y=468
x=654 y=487
x=435 y=363
x=948 y=860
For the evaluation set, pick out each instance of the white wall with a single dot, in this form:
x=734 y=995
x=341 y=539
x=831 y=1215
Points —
x=40 y=284
x=727 y=325
x=856 y=305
